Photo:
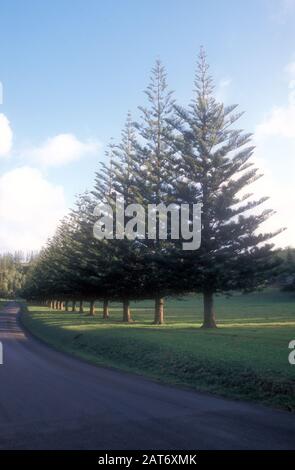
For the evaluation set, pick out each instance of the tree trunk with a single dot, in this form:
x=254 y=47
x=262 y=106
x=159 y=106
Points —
x=159 y=311
x=81 y=310
x=66 y=305
x=126 y=311
x=92 y=308
x=209 y=314
x=105 y=314
x=62 y=305
x=51 y=305
x=74 y=306
x=55 y=305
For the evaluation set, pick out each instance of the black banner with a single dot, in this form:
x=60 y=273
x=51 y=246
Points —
x=133 y=459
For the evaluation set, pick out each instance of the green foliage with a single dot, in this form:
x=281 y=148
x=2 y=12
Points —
x=286 y=274
x=171 y=155
x=13 y=270
x=216 y=171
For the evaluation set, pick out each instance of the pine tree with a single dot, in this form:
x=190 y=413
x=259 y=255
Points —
x=116 y=181
x=155 y=175
x=92 y=258
x=215 y=169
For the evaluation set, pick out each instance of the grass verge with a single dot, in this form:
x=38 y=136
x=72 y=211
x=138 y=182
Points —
x=246 y=358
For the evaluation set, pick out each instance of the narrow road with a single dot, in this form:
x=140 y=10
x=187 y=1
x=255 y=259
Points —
x=49 y=400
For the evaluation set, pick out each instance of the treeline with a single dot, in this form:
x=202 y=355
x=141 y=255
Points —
x=13 y=269
x=286 y=277
x=171 y=154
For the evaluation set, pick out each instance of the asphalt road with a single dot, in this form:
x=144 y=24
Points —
x=49 y=400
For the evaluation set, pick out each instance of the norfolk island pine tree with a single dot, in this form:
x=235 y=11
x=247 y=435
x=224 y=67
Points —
x=215 y=169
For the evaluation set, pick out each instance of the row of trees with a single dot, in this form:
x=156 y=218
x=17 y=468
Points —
x=172 y=154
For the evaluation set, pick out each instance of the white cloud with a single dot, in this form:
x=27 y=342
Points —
x=275 y=155
x=281 y=200
x=30 y=208
x=61 y=150
x=5 y=136
x=280 y=121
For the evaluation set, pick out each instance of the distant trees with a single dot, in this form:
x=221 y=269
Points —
x=172 y=155
x=286 y=272
x=13 y=268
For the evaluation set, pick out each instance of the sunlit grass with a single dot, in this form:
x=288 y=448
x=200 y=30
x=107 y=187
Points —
x=246 y=357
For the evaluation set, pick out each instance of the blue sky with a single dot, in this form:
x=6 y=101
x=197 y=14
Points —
x=71 y=70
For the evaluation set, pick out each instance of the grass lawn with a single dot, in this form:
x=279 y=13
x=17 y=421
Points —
x=245 y=358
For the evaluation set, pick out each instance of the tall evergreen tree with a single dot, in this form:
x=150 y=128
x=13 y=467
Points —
x=155 y=175
x=117 y=183
x=215 y=169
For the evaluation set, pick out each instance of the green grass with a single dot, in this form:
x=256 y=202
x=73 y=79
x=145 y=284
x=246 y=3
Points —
x=245 y=358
